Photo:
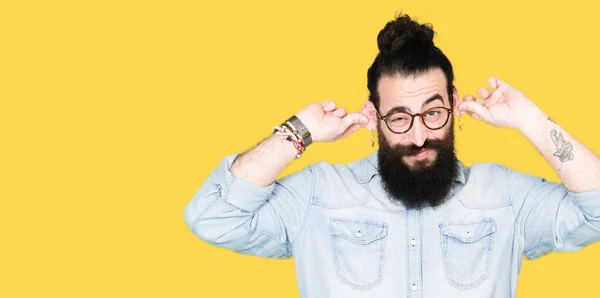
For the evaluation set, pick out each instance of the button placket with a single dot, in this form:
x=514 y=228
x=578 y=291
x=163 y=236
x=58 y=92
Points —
x=414 y=253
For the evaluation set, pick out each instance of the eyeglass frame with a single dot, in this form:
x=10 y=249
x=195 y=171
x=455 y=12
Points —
x=412 y=119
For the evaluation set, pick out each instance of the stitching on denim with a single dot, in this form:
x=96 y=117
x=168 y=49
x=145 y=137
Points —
x=576 y=201
x=355 y=239
x=230 y=185
x=529 y=252
x=380 y=260
x=526 y=215
x=228 y=189
x=510 y=195
x=199 y=216
x=406 y=252
x=272 y=215
x=571 y=233
x=336 y=253
x=309 y=206
x=450 y=278
x=314 y=200
x=266 y=234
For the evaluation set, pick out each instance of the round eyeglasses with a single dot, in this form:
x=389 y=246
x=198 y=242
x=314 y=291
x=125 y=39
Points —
x=400 y=122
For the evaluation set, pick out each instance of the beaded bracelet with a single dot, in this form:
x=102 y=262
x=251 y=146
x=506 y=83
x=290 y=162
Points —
x=284 y=130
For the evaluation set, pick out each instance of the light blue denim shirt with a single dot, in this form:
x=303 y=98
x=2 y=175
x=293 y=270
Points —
x=349 y=239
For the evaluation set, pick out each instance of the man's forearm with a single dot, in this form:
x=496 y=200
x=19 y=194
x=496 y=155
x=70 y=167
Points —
x=263 y=163
x=577 y=166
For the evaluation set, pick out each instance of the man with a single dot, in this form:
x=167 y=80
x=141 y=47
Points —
x=409 y=220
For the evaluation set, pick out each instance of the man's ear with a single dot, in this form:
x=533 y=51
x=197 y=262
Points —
x=370 y=111
x=456 y=100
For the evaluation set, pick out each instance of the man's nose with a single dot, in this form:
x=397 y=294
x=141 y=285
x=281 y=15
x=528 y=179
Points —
x=418 y=132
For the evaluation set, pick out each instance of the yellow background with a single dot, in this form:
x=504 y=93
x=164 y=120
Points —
x=114 y=112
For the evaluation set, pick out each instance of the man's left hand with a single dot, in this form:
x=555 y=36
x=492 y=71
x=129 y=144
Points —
x=502 y=106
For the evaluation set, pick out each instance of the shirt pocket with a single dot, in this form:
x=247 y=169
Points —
x=467 y=250
x=358 y=251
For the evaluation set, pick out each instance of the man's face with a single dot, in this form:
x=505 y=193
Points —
x=417 y=167
x=415 y=95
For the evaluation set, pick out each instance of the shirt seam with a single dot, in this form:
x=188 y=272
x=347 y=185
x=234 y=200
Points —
x=204 y=210
x=309 y=207
x=231 y=185
x=520 y=231
x=267 y=234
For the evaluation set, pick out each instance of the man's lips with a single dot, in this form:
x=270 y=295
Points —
x=421 y=154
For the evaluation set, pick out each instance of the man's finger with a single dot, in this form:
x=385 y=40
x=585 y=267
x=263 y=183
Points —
x=475 y=109
x=339 y=112
x=354 y=118
x=468 y=97
x=350 y=130
x=484 y=93
x=497 y=94
x=495 y=82
x=328 y=106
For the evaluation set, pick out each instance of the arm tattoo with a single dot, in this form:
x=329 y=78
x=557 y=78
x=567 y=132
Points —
x=564 y=149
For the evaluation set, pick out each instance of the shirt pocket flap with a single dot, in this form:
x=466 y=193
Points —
x=469 y=232
x=360 y=232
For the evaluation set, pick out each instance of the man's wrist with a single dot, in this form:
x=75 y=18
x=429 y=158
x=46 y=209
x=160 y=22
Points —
x=284 y=146
x=295 y=132
x=300 y=130
x=532 y=122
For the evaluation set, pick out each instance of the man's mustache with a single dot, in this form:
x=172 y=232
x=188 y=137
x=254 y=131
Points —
x=408 y=150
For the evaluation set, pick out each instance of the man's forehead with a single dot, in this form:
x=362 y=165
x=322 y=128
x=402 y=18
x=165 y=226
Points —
x=408 y=90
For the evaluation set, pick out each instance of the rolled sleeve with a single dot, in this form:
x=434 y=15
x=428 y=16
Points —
x=231 y=212
x=552 y=218
x=589 y=202
x=239 y=192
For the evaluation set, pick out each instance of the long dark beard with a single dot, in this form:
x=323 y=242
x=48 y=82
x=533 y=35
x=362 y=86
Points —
x=422 y=185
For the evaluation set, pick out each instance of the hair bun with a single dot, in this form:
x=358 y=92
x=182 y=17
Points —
x=404 y=31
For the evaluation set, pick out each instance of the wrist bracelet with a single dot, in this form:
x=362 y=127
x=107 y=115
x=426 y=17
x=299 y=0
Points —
x=283 y=130
x=300 y=130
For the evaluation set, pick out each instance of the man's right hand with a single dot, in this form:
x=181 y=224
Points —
x=327 y=123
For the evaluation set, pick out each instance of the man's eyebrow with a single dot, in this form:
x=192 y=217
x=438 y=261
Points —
x=432 y=99
x=398 y=109
x=407 y=109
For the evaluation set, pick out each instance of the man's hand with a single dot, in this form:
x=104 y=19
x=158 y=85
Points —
x=503 y=106
x=327 y=123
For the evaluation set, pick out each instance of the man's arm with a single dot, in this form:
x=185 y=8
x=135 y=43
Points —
x=242 y=207
x=549 y=216
x=324 y=121
x=556 y=217
x=577 y=166
x=264 y=163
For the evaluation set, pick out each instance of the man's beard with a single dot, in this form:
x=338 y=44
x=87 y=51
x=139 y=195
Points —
x=422 y=185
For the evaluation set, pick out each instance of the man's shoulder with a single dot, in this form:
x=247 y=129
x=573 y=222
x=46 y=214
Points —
x=484 y=186
x=487 y=169
x=360 y=170
x=342 y=185
x=485 y=175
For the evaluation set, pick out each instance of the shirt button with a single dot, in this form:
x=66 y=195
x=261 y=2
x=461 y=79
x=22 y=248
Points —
x=414 y=287
x=468 y=234
x=358 y=234
x=413 y=242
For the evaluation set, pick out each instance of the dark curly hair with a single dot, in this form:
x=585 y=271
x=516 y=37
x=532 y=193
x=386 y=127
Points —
x=406 y=48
